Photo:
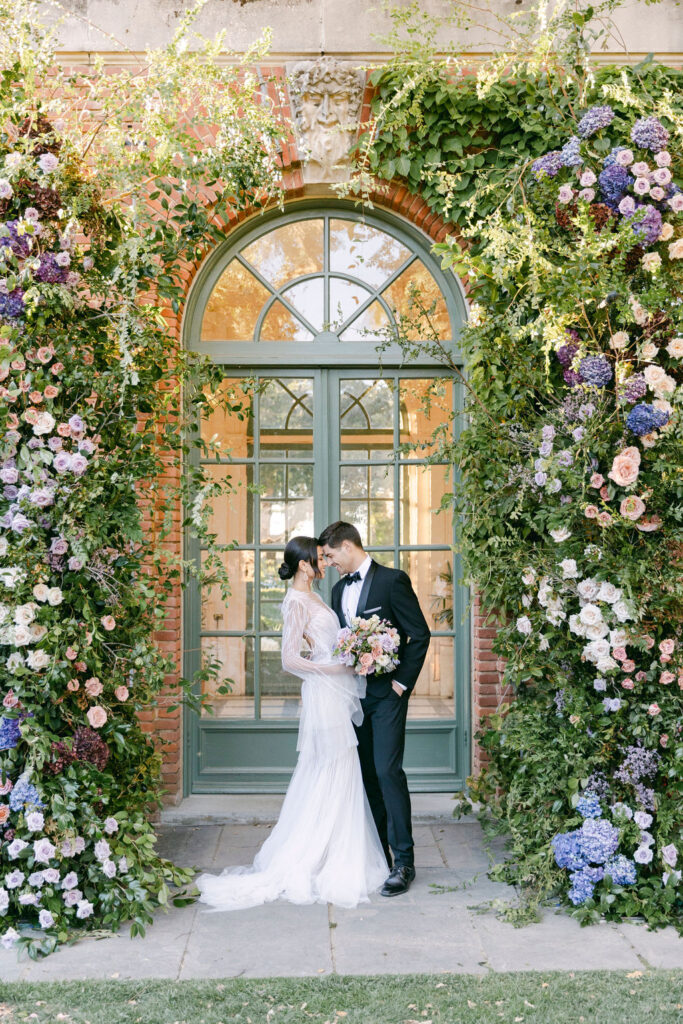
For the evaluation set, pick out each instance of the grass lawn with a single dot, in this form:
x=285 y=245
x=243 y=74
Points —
x=593 y=997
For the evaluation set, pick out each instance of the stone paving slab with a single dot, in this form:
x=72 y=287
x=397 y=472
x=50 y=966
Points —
x=425 y=930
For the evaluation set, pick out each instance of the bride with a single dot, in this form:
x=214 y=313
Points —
x=324 y=847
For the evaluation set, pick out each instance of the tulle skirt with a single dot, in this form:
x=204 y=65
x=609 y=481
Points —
x=324 y=847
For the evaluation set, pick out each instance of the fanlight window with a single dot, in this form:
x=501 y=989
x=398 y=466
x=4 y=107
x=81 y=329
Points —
x=321 y=278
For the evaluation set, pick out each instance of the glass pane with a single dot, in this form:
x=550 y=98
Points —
x=426 y=414
x=345 y=299
x=234 y=658
x=229 y=419
x=280 y=325
x=280 y=691
x=238 y=612
x=236 y=301
x=434 y=693
x=366 y=409
x=307 y=298
x=364 y=252
x=286 y=417
x=232 y=511
x=286 y=502
x=415 y=296
x=373 y=321
x=288 y=252
x=273 y=590
x=384 y=558
x=422 y=488
x=367 y=494
x=431 y=573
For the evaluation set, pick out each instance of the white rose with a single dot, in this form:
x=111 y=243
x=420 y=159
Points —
x=37 y=631
x=38 y=659
x=590 y=615
x=598 y=631
x=55 y=596
x=21 y=636
x=658 y=380
x=14 y=662
x=675 y=348
x=605 y=664
x=529 y=574
x=44 y=424
x=608 y=593
x=622 y=611
x=24 y=614
x=588 y=589
x=576 y=626
x=649 y=351
x=618 y=637
x=4 y=612
x=40 y=591
x=527 y=600
x=619 y=340
x=544 y=591
x=555 y=615
x=561 y=534
x=543 y=643
x=524 y=625
x=569 y=568
x=595 y=650
x=3 y=545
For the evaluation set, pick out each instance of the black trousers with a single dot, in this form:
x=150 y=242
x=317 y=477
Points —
x=381 y=740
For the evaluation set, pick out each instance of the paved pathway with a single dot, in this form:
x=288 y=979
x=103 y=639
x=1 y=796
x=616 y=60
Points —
x=419 y=932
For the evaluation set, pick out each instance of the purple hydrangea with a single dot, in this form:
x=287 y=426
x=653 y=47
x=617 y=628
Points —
x=12 y=304
x=49 y=271
x=572 y=378
x=633 y=388
x=566 y=353
x=568 y=853
x=644 y=418
x=598 y=839
x=621 y=870
x=588 y=805
x=24 y=795
x=646 y=223
x=593 y=120
x=548 y=164
x=10 y=733
x=614 y=181
x=595 y=370
x=581 y=888
x=20 y=244
x=650 y=133
x=570 y=152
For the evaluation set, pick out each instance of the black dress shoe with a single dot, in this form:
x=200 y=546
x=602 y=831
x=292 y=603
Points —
x=398 y=881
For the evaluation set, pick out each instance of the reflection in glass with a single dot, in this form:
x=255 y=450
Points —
x=308 y=298
x=426 y=407
x=234 y=658
x=416 y=296
x=232 y=311
x=364 y=252
x=366 y=418
x=280 y=325
x=286 y=417
x=422 y=488
x=346 y=298
x=229 y=419
x=288 y=252
x=434 y=695
x=373 y=320
x=231 y=515
x=280 y=691
x=273 y=591
x=286 y=502
x=384 y=558
x=366 y=500
x=238 y=612
x=431 y=573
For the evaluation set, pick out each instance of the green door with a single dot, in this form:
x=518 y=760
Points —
x=326 y=436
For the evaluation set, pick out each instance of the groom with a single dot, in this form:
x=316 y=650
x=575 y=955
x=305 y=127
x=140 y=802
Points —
x=368 y=588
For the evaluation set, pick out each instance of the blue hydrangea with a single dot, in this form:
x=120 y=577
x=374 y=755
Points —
x=593 y=120
x=581 y=888
x=12 y=304
x=646 y=223
x=597 y=839
x=10 y=733
x=588 y=805
x=567 y=851
x=649 y=133
x=24 y=794
x=548 y=164
x=595 y=370
x=644 y=418
x=570 y=152
x=612 y=156
x=621 y=870
x=614 y=182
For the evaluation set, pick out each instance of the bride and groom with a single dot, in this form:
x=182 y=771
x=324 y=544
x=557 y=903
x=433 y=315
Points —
x=345 y=820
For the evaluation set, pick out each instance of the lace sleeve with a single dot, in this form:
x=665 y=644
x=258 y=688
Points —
x=294 y=619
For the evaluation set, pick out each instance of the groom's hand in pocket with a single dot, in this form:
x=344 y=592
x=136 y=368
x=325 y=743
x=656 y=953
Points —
x=397 y=688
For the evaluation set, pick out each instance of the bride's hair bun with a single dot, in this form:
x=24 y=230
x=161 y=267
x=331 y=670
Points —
x=285 y=572
x=299 y=549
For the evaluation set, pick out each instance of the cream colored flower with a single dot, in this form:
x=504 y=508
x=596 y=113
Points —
x=625 y=467
x=648 y=352
x=676 y=249
x=675 y=348
x=619 y=340
x=40 y=591
x=651 y=262
x=666 y=232
x=659 y=381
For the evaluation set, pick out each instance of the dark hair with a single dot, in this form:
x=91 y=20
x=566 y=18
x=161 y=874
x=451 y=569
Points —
x=299 y=549
x=336 y=533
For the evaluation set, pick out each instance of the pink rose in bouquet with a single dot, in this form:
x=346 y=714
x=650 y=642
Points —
x=368 y=646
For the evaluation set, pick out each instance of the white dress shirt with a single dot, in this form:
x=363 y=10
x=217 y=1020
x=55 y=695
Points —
x=351 y=596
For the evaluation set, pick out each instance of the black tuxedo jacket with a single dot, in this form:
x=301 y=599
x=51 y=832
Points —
x=389 y=594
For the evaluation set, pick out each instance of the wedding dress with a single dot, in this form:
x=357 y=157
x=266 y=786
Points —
x=324 y=847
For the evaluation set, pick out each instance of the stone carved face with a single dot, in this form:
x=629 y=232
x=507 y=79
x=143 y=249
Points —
x=326 y=96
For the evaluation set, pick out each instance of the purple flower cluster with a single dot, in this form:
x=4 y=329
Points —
x=571 y=153
x=12 y=303
x=639 y=763
x=644 y=418
x=614 y=181
x=49 y=271
x=646 y=223
x=633 y=388
x=583 y=884
x=595 y=370
x=565 y=354
x=593 y=120
x=650 y=133
x=588 y=805
x=567 y=851
x=598 y=840
x=20 y=244
x=549 y=164
x=24 y=795
x=621 y=870
x=10 y=733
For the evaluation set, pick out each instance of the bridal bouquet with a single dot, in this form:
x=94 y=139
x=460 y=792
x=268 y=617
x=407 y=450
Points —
x=368 y=646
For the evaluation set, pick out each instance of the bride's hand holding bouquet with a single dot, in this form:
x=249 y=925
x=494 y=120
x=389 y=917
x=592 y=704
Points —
x=368 y=646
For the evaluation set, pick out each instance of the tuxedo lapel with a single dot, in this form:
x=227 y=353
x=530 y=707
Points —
x=337 y=590
x=365 y=590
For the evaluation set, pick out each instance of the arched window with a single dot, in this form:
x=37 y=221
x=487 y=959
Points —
x=294 y=306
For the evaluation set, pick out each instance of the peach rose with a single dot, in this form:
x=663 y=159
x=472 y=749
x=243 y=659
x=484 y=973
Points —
x=628 y=665
x=80 y=666
x=625 y=467
x=666 y=232
x=36 y=397
x=97 y=716
x=649 y=641
x=627 y=684
x=71 y=654
x=604 y=518
x=649 y=525
x=675 y=348
x=121 y=693
x=4 y=813
x=57 y=368
x=51 y=391
x=676 y=249
x=591 y=512
x=632 y=507
x=597 y=480
x=649 y=351
x=109 y=622
x=664 y=739
x=654 y=709
x=64 y=430
x=619 y=654
x=658 y=380
x=667 y=646
x=93 y=687
x=44 y=354
x=366 y=660
x=73 y=685
x=666 y=678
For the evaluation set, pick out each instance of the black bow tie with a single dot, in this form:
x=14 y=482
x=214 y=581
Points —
x=353 y=577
